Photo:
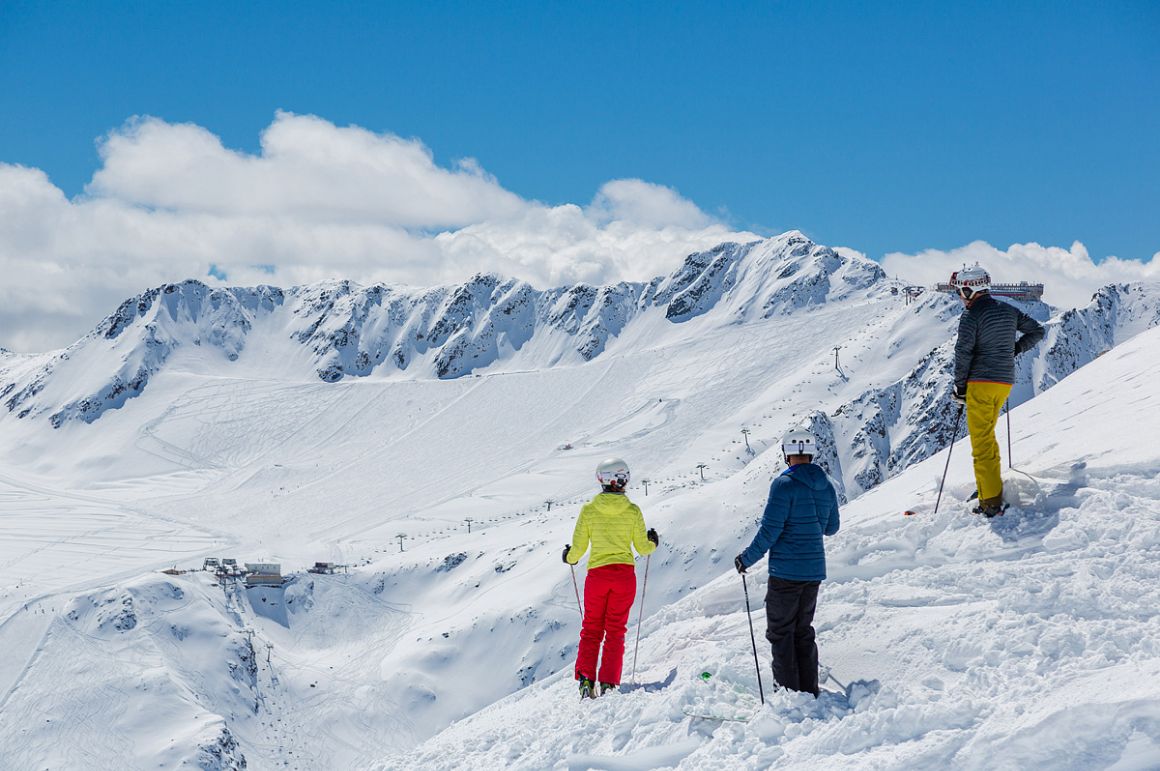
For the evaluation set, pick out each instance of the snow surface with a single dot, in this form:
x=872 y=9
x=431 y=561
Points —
x=260 y=458
x=1027 y=641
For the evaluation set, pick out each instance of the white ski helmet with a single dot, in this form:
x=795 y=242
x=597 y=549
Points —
x=798 y=441
x=613 y=472
x=973 y=278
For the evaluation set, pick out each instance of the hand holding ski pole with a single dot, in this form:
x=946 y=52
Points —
x=575 y=585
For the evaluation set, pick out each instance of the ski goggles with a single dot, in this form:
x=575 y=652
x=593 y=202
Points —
x=966 y=292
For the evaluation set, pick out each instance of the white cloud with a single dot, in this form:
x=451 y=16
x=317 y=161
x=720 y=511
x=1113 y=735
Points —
x=1069 y=276
x=319 y=201
x=308 y=168
x=633 y=200
x=566 y=244
x=170 y=201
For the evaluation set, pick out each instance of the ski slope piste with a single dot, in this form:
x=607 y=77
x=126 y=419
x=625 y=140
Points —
x=438 y=444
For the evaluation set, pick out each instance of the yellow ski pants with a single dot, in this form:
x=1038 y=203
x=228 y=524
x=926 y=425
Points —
x=984 y=402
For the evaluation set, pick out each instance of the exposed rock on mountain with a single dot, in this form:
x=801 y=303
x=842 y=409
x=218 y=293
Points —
x=444 y=332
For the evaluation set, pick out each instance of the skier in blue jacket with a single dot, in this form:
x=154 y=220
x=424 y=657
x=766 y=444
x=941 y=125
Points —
x=802 y=507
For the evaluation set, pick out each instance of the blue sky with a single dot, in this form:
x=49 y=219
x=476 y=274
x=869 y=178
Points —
x=884 y=126
x=292 y=142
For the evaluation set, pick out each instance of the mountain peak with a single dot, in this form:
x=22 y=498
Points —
x=445 y=331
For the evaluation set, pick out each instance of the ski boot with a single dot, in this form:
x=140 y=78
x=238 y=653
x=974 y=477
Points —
x=991 y=510
x=587 y=688
x=607 y=688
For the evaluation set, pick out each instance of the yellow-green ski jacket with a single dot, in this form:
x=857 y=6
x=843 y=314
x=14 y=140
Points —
x=612 y=524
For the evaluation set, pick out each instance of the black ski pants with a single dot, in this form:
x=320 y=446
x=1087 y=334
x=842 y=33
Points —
x=789 y=615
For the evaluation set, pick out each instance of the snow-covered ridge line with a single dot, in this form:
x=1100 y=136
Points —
x=445 y=332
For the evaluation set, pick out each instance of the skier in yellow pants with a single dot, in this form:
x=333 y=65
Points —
x=984 y=372
x=984 y=403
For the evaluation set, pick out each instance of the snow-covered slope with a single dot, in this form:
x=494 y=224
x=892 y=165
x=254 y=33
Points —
x=885 y=430
x=1030 y=641
x=260 y=458
x=1116 y=313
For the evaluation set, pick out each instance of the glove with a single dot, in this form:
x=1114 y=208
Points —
x=959 y=396
x=564 y=555
x=652 y=536
x=737 y=563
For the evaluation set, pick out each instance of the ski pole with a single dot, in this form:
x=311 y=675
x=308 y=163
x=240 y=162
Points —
x=639 y=617
x=1010 y=460
x=958 y=420
x=752 y=639
x=576 y=586
x=826 y=674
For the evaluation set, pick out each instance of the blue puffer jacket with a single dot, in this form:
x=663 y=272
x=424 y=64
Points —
x=802 y=507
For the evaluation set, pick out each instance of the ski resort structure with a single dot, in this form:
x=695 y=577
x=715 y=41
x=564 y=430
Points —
x=1022 y=290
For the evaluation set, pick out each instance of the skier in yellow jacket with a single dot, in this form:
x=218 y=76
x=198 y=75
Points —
x=612 y=525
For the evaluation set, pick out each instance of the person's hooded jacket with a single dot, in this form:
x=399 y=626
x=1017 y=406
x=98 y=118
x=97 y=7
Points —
x=802 y=507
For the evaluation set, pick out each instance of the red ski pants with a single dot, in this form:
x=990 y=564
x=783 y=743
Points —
x=609 y=592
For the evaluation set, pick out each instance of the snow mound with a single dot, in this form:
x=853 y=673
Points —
x=201 y=675
x=146 y=672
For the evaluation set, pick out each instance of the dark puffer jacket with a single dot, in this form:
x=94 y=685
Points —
x=802 y=507
x=987 y=347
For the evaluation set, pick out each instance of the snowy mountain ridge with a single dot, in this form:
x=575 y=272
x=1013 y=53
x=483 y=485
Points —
x=338 y=330
x=345 y=330
x=263 y=459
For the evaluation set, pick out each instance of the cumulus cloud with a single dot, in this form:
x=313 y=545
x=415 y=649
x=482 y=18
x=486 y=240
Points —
x=170 y=201
x=566 y=244
x=632 y=200
x=1069 y=276
x=308 y=168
